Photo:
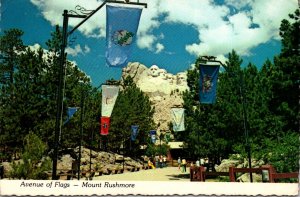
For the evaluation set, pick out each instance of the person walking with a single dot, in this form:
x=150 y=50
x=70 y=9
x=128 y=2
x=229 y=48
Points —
x=156 y=161
x=160 y=161
x=179 y=163
x=150 y=164
x=184 y=165
x=198 y=163
x=165 y=161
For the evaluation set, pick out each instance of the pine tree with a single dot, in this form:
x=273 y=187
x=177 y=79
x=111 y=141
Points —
x=285 y=75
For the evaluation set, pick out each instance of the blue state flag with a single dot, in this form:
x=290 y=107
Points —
x=71 y=111
x=121 y=29
x=134 y=132
x=208 y=83
x=153 y=136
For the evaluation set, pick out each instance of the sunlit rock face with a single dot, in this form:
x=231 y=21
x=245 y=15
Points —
x=164 y=89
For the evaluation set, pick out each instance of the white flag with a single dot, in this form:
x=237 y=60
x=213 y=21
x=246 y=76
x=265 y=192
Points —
x=178 y=119
x=109 y=97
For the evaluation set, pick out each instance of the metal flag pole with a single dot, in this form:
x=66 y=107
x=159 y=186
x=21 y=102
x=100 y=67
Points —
x=86 y=14
x=81 y=130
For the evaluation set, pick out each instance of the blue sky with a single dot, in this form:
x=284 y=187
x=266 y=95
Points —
x=172 y=33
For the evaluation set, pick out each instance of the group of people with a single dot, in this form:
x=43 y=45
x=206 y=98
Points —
x=159 y=161
x=181 y=164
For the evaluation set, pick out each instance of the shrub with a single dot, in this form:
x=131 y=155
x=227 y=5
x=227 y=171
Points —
x=33 y=164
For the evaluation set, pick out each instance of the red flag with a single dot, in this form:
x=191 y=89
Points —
x=104 y=125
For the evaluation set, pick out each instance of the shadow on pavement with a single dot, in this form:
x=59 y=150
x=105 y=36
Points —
x=178 y=176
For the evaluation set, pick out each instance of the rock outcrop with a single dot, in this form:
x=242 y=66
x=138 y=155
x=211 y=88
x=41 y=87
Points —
x=238 y=162
x=164 y=89
x=100 y=161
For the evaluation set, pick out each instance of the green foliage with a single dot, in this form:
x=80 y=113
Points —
x=10 y=44
x=282 y=153
x=29 y=103
x=153 y=149
x=33 y=162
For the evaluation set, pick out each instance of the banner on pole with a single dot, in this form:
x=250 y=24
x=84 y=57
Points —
x=153 y=136
x=104 y=122
x=109 y=97
x=178 y=119
x=134 y=132
x=71 y=111
x=121 y=28
x=208 y=83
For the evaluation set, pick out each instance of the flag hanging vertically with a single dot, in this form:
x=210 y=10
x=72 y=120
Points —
x=178 y=119
x=208 y=82
x=104 y=122
x=71 y=111
x=134 y=132
x=121 y=28
x=109 y=97
x=153 y=136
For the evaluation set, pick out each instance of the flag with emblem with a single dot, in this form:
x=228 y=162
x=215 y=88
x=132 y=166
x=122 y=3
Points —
x=178 y=119
x=104 y=122
x=153 y=136
x=121 y=29
x=109 y=97
x=208 y=82
x=134 y=132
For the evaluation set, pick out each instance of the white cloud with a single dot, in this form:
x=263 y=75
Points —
x=239 y=4
x=146 y=41
x=243 y=30
x=253 y=22
x=159 y=47
x=77 y=50
x=86 y=49
x=53 y=10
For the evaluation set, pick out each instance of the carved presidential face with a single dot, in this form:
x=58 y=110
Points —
x=170 y=78
x=181 y=78
x=162 y=73
x=153 y=71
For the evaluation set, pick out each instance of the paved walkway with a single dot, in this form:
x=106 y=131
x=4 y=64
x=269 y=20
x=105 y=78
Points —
x=160 y=174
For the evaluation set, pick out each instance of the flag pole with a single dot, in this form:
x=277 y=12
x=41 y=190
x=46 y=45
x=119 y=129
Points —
x=81 y=129
x=59 y=96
